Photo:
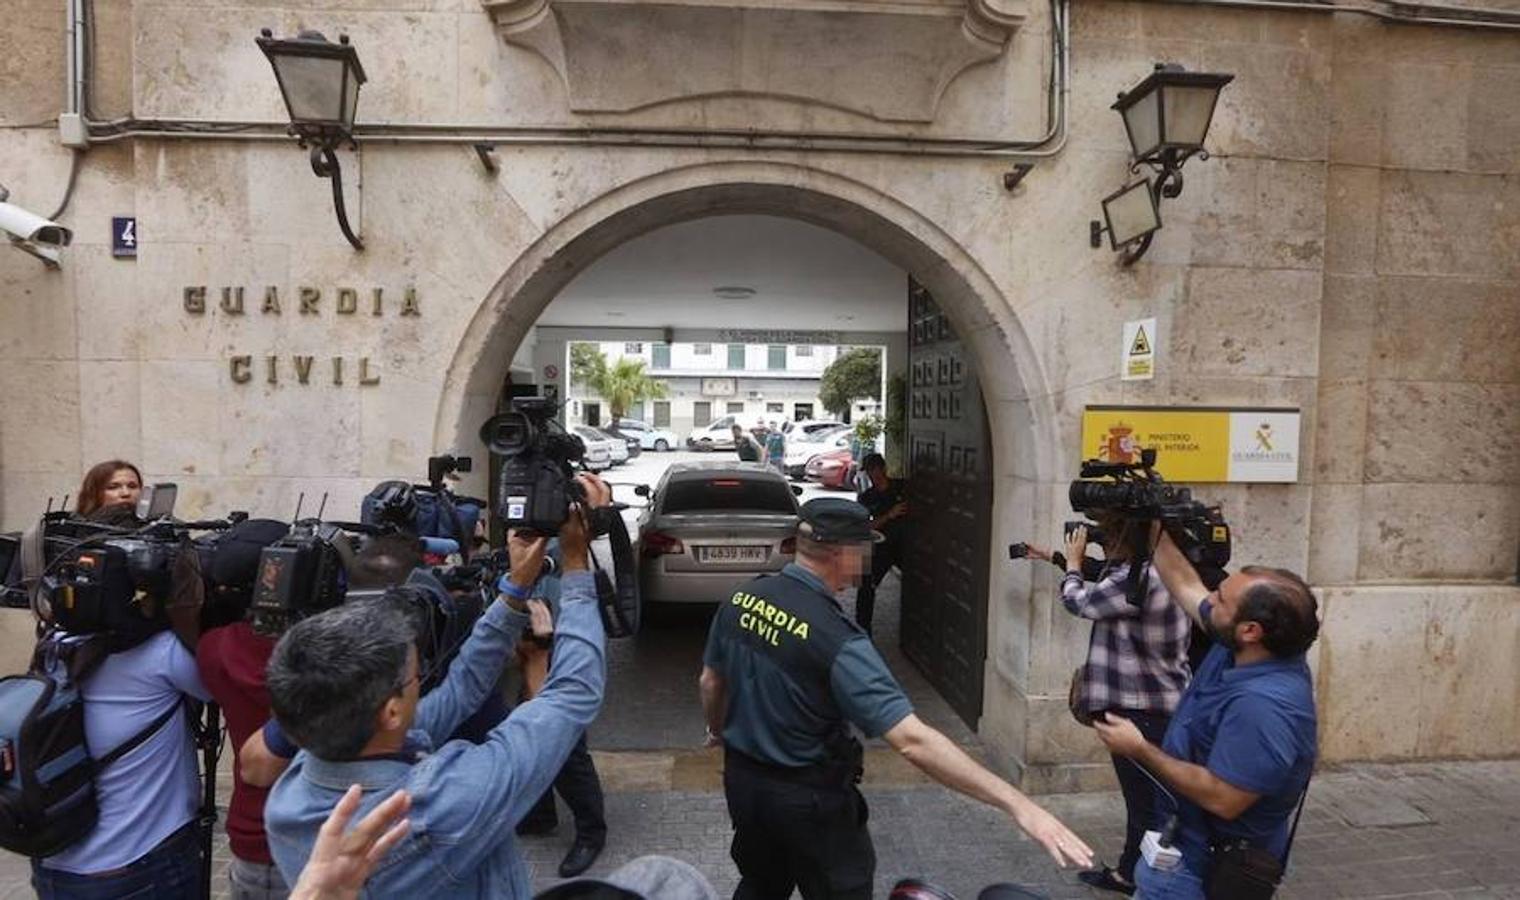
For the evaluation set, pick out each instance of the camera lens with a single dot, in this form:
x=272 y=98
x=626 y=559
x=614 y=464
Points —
x=508 y=434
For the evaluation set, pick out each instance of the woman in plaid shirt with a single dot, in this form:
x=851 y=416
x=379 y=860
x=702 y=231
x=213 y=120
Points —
x=1136 y=660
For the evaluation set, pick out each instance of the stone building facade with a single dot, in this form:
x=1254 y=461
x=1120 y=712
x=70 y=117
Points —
x=1352 y=250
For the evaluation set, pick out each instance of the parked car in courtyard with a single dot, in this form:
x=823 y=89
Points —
x=717 y=436
x=630 y=439
x=599 y=447
x=834 y=469
x=802 y=446
x=710 y=526
x=650 y=437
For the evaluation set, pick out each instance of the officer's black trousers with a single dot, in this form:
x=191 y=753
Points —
x=789 y=835
x=578 y=783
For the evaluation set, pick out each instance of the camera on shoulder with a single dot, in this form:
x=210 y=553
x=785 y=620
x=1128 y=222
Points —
x=1135 y=491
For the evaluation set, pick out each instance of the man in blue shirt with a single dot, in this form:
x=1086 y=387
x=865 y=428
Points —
x=344 y=685
x=1241 y=745
x=785 y=674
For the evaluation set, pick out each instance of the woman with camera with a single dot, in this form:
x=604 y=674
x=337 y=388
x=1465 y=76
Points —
x=114 y=482
x=1136 y=664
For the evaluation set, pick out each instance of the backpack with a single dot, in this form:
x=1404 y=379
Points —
x=47 y=774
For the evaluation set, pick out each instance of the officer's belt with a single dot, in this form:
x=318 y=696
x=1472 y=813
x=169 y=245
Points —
x=834 y=774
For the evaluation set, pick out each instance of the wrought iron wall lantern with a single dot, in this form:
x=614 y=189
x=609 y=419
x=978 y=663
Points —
x=319 y=81
x=1167 y=118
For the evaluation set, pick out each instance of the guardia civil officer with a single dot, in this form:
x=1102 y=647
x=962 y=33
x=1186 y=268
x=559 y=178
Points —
x=784 y=676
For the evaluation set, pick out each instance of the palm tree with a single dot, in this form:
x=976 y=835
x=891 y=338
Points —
x=623 y=384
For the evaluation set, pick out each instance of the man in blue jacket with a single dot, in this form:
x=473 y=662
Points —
x=344 y=686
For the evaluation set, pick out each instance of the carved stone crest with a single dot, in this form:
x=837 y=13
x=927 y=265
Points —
x=891 y=60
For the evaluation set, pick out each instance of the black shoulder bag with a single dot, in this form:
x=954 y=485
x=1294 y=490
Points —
x=1239 y=871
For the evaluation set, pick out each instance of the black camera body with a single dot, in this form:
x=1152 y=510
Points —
x=1135 y=491
x=118 y=586
x=537 y=483
x=300 y=575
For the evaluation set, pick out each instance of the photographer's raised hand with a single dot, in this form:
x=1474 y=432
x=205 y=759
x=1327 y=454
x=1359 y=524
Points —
x=576 y=534
x=1076 y=548
x=526 y=552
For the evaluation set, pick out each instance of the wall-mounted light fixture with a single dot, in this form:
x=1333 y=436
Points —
x=1167 y=117
x=320 y=83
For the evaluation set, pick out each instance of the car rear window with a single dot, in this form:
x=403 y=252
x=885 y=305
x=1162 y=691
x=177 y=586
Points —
x=728 y=494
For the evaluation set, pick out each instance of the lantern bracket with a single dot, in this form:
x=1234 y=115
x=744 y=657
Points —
x=324 y=162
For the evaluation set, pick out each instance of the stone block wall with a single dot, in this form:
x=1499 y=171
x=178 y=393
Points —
x=1352 y=249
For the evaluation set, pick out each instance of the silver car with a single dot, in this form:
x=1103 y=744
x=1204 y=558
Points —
x=710 y=526
x=598 y=447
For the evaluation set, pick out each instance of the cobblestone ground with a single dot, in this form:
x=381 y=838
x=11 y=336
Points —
x=1446 y=830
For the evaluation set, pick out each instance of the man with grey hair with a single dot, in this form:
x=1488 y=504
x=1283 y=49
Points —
x=344 y=685
x=784 y=676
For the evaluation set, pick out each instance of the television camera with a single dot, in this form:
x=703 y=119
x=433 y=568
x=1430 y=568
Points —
x=537 y=487
x=1135 y=491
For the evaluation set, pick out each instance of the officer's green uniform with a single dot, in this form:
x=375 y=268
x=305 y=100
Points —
x=797 y=670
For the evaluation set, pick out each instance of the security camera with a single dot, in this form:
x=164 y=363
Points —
x=31 y=232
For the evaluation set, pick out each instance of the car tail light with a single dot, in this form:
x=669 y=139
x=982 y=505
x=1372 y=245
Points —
x=789 y=546
x=657 y=543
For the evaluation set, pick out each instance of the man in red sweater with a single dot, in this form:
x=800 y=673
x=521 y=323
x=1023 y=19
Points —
x=232 y=660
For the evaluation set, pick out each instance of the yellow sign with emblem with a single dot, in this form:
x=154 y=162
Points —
x=1197 y=444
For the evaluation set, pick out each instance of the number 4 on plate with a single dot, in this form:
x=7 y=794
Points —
x=124 y=236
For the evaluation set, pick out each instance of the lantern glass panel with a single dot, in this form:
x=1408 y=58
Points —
x=1144 y=125
x=1188 y=110
x=313 y=87
x=1131 y=214
x=351 y=98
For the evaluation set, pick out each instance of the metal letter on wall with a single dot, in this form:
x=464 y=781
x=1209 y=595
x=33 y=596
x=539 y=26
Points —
x=949 y=468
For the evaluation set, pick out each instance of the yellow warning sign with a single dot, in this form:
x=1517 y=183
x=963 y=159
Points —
x=1138 y=362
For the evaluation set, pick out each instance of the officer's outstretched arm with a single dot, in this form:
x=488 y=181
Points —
x=939 y=758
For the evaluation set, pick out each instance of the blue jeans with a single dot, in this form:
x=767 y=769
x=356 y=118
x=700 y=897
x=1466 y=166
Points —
x=170 y=871
x=1178 y=884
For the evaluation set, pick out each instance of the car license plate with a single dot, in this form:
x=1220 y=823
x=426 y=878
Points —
x=732 y=554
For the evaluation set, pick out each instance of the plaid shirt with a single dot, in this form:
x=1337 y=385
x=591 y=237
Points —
x=1137 y=655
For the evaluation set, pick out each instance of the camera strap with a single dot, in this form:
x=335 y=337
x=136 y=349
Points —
x=618 y=593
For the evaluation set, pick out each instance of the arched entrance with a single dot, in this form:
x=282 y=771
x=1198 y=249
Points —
x=1018 y=415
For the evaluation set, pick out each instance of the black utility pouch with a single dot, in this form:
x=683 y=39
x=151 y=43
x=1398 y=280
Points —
x=1238 y=871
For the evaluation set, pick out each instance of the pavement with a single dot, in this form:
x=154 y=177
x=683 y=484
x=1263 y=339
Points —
x=1428 y=830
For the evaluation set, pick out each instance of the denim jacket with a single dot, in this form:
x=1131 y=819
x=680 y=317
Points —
x=466 y=798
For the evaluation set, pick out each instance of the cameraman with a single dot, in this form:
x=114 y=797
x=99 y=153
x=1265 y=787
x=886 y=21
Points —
x=344 y=685
x=1136 y=666
x=1241 y=745
x=146 y=841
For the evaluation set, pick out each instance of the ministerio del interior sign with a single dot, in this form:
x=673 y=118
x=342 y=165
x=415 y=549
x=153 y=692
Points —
x=304 y=305
x=1197 y=444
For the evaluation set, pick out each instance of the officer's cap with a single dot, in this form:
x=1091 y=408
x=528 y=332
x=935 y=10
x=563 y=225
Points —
x=834 y=520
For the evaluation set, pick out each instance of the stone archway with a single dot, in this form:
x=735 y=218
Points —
x=1019 y=413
